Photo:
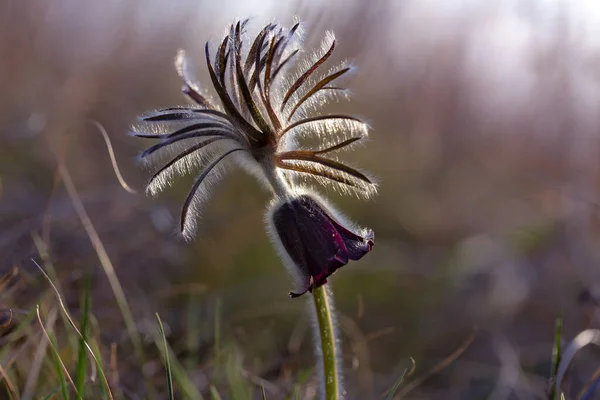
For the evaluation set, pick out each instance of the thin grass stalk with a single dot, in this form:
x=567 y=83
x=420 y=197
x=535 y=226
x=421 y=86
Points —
x=33 y=373
x=82 y=351
x=328 y=351
x=167 y=362
x=10 y=387
x=108 y=268
x=95 y=357
x=556 y=357
x=58 y=365
x=178 y=372
x=55 y=352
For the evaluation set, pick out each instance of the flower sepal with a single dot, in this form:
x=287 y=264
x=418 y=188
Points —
x=315 y=242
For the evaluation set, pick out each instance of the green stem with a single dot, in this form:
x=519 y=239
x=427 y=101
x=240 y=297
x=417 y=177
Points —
x=331 y=374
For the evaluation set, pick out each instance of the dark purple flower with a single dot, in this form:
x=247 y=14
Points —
x=316 y=243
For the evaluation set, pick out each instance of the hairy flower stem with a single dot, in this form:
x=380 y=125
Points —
x=332 y=377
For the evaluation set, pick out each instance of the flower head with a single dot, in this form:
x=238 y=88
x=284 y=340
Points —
x=267 y=102
x=314 y=242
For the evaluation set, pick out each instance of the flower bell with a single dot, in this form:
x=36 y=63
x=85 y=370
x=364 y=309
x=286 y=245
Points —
x=316 y=243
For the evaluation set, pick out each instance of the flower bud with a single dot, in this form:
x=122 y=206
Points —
x=315 y=241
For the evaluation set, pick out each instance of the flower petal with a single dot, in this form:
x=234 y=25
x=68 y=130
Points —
x=356 y=245
x=316 y=243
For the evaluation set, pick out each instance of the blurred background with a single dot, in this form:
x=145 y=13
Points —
x=485 y=118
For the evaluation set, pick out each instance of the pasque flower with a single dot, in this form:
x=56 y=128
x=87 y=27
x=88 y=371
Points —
x=316 y=242
x=265 y=121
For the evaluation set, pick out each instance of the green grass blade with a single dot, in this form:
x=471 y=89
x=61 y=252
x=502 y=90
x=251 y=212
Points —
x=82 y=351
x=104 y=388
x=167 y=362
x=197 y=326
x=185 y=385
x=262 y=392
x=556 y=355
x=303 y=377
x=42 y=250
x=61 y=374
x=237 y=383
x=74 y=327
x=397 y=384
x=109 y=270
x=214 y=393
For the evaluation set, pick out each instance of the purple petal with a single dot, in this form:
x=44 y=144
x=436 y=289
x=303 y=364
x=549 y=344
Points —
x=310 y=239
x=356 y=245
x=317 y=244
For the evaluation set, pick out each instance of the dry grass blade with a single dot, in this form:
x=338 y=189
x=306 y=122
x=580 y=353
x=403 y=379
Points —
x=104 y=261
x=74 y=326
x=51 y=271
x=389 y=394
x=113 y=159
x=438 y=367
x=114 y=367
x=33 y=373
x=55 y=350
x=12 y=391
x=4 y=280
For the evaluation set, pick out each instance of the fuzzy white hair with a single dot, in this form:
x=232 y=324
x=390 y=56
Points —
x=265 y=122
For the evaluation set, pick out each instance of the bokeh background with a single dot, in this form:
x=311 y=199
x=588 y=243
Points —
x=484 y=116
